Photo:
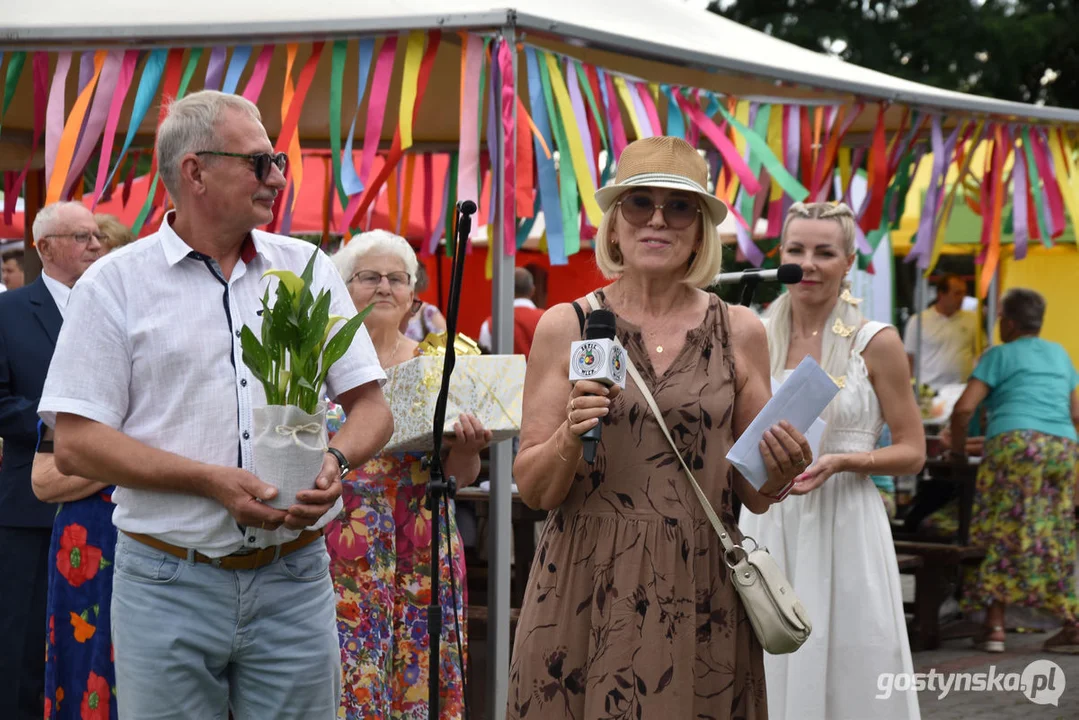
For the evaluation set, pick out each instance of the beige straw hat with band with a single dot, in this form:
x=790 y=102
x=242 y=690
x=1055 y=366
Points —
x=665 y=162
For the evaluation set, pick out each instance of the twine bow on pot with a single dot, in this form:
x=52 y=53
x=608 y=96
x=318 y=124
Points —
x=295 y=430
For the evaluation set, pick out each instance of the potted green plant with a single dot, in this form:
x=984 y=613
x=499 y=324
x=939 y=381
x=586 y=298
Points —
x=290 y=357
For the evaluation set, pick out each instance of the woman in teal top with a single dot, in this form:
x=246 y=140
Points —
x=1024 y=505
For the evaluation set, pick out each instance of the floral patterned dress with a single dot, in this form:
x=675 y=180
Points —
x=1024 y=518
x=380 y=554
x=79 y=677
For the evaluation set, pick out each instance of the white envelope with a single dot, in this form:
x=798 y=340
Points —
x=799 y=400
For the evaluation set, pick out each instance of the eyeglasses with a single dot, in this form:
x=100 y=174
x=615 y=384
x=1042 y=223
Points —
x=82 y=238
x=370 y=279
x=679 y=213
x=260 y=162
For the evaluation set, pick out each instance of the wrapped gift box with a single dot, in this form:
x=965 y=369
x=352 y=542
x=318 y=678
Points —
x=489 y=387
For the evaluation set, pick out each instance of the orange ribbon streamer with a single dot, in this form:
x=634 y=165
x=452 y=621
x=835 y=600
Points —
x=65 y=152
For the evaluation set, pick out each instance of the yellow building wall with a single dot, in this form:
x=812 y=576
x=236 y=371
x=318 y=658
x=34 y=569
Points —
x=1054 y=272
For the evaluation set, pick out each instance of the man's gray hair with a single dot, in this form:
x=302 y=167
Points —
x=46 y=219
x=1025 y=308
x=191 y=126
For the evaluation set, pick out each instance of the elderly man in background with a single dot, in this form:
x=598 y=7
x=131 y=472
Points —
x=949 y=336
x=226 y=603
x=67 y=241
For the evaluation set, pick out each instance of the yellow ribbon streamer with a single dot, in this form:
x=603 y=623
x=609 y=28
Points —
x=627 y=102
x=410 y=81
x=576 y=147
x=844 y=167
x=775 y=144
x=66 y=149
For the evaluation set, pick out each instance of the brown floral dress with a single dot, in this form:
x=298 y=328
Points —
x=629 y=611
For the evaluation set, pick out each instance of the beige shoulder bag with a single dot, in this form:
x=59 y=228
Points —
x=781 y=623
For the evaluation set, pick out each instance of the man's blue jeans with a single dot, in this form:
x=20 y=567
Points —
x=194 y=641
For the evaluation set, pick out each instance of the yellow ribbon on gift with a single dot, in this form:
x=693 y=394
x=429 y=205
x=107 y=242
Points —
x=435 y=344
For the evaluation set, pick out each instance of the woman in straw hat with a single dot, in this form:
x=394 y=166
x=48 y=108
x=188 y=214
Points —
x=629 y=610
x=832 y=537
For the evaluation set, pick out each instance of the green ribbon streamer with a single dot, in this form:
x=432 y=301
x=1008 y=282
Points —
x=582 y=78
x=337 y=79
x=759 y=147
x=567 y=179
x=185 y=80
x=480 y=98
x=14 y=72
x=1034 y=180
x=760 y=126
x=451 y=211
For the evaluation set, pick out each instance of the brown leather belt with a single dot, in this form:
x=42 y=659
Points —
x=250 y=561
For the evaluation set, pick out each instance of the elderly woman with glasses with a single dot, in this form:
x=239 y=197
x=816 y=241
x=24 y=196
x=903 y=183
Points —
x=629 y=610
x=380 y=546
x=1024 y=504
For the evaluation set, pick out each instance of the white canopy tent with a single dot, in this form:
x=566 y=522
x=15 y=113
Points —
x=653 y=39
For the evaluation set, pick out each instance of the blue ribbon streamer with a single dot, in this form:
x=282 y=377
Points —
x=350 y=179
x=144 y=97
x=547 y=194
x=237 y=63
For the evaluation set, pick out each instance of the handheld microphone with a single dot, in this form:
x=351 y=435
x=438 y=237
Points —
x=787 y=274
x=599 y=358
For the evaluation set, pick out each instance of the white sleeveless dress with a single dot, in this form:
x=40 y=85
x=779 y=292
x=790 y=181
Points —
x=835 y=545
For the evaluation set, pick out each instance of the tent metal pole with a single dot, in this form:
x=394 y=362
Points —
x=500 y=514
x=921 y=291
x=991 y=305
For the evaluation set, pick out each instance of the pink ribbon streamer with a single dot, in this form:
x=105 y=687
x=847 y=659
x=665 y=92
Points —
x=54 y=115
x=580 y=114
x=726 y=148
x=1054 y=201
x=649 y=106
x=468 y=158
x=509 y=151
x=95 y=119
x=614 y=117
x=215 y=70
x=1020 y=232
x=376 y=105
x=793 y=146
x=258 y=74
x=119 y=93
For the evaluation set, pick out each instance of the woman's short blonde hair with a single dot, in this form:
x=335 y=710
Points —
x=703 y=267
x=116 y=233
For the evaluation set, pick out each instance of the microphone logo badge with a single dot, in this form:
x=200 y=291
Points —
x=588 y=359
x=618 y=365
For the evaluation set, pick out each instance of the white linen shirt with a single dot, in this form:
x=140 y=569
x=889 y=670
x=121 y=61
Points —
x=150 y=347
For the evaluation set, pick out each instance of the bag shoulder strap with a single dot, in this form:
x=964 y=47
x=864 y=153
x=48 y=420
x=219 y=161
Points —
x=713 y=518
x=580 y=316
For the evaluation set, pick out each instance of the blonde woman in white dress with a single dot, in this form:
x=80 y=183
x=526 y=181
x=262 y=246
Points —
x=833 y=538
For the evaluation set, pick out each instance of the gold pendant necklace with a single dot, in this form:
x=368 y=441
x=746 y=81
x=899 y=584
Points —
x=659 y=348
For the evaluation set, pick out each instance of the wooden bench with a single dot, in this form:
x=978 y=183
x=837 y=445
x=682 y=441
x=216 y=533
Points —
x=934 y=572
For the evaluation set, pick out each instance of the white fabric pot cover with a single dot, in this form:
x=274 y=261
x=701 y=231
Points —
x=289 y=449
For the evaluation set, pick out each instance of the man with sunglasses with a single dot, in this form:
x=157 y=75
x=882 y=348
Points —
x=66 y=239
x=222 y=602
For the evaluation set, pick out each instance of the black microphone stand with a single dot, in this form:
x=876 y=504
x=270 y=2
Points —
x=441 y=490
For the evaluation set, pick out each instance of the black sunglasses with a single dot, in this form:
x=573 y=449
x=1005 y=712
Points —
x=260 y=162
